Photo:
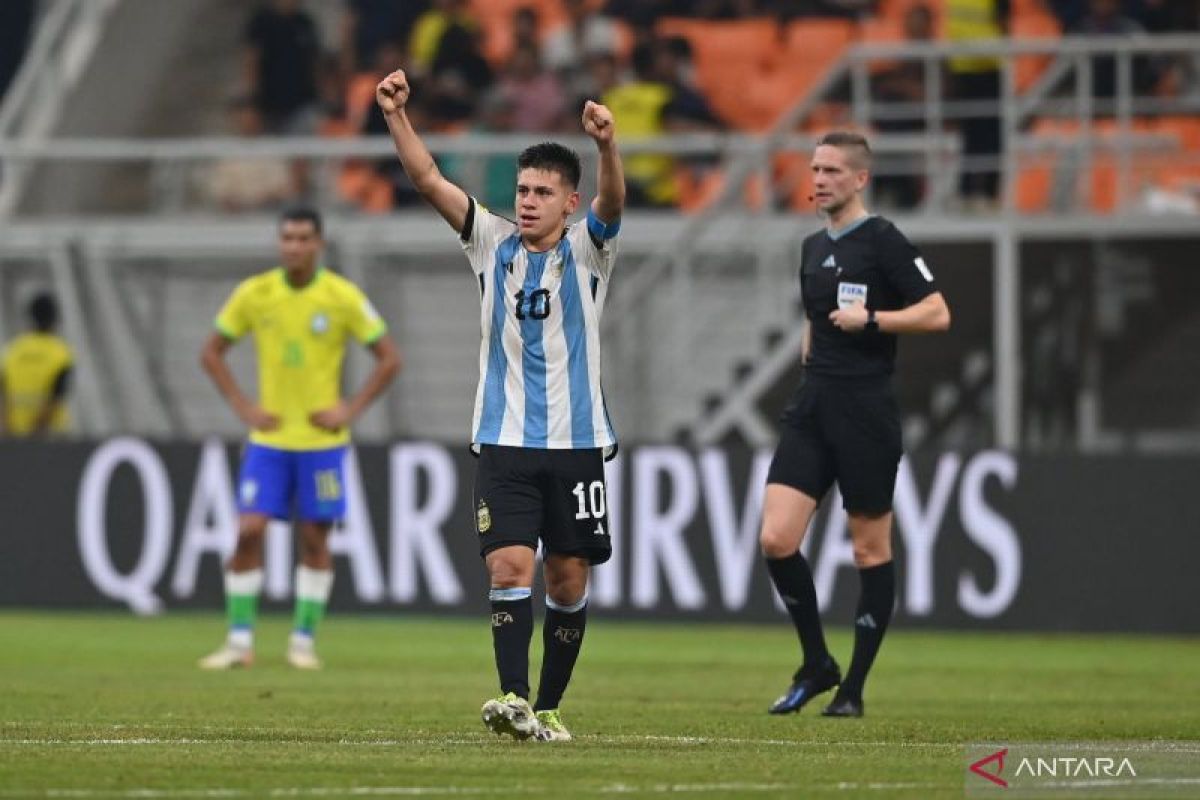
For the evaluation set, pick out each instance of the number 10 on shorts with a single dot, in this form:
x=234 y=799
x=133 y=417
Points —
x=591 y=502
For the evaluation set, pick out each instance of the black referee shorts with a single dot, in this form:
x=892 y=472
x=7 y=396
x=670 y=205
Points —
x=524 y=494
x=845 y=430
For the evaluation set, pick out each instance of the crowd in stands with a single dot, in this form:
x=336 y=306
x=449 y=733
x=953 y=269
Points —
x=527 y=66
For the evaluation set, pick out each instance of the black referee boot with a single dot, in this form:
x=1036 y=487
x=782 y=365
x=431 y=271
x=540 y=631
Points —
x=807 y=683
x=844 y=707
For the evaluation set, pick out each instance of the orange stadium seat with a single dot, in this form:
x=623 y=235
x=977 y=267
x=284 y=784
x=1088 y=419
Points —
x=697 y=193
x=1033 y=22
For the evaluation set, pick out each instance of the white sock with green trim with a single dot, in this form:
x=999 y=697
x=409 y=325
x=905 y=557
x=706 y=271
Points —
x=241 y=606
x=312 y=594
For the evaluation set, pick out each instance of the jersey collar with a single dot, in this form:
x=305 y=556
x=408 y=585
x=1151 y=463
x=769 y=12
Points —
x=316 y=277
x=853 y=226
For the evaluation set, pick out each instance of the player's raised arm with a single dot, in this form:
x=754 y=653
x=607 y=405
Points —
x=610 y=176
x=449 y=200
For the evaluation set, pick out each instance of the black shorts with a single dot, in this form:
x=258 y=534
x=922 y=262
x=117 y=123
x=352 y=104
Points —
x=524 y=494
x=846 y=430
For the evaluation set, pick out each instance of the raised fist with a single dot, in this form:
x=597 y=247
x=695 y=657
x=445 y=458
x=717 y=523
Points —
x=392 y=92
x=598 y=122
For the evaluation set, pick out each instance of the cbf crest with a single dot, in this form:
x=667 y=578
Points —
x=483 y=517
x=319 y=323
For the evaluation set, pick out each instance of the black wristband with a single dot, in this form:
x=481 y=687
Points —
x=872 y=323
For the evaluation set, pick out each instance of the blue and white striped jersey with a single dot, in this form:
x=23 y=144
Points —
x=539 y=357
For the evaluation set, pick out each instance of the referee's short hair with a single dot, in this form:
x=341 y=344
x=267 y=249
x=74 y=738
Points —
x=552 y=157
x=854 y=144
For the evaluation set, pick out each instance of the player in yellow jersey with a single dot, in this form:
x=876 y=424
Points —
x=35 y=370
x=301 y=316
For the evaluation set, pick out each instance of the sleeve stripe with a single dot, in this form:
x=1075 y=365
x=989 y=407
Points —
x=225 y=331
x=376 y=334
x=602 y=230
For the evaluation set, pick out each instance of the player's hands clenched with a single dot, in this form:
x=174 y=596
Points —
x=598 y=122
x=257 y=418
x=392 y=92
x=332 y=419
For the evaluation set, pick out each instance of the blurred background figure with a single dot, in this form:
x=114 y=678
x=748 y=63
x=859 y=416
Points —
x=282 y=55
x=428 y=32
x=976 y=80
x=235 y=184
x=368 y=25
x=535 y=94
x=900 y=184
x=35 y=374
x=583 y=34
x=640 y=104
x=1106 y=18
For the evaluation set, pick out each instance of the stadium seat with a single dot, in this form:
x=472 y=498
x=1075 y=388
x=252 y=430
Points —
x=698 y=192
x=1030 y=20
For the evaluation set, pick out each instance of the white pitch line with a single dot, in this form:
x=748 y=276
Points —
x=434 y=791
x=472 y=741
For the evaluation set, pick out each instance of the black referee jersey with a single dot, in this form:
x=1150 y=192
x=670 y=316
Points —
x=869 y=260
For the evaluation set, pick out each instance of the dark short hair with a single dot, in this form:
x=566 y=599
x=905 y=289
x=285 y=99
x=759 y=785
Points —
x=854 y=143
x=552 y=157
x=302 y=214
x=43 y=311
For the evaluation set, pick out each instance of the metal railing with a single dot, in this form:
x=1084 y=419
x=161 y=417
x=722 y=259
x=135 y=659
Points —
x=65 y=39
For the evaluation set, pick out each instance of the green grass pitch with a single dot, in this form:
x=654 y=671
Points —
x=109 y=706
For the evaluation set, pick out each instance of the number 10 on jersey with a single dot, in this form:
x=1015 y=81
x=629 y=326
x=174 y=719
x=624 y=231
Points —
x=591 y=503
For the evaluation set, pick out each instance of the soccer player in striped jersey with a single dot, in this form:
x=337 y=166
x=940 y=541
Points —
x=540 y=427
x=301 y=316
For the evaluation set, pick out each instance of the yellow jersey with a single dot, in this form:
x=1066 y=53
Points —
x=300 y=340
x=31 y=366
x=639 y=106
x=973 y=21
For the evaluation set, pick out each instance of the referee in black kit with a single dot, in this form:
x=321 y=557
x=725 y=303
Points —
x=862 y=283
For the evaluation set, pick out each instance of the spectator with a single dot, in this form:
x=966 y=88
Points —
x=1068 y=12
x=426 y=43
x=602 y=73
x=688 y=111
x=461 y=75
x=584 y=34
x=237 y=184
x=1104 y=18
x=281 y=64
x=35 y=373
x=976 y=79
x=640 y=105
x=369 y=24
x=535 y=94
x=525 y=28
x=903 y=83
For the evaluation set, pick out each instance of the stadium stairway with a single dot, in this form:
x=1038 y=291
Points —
x=171 y=60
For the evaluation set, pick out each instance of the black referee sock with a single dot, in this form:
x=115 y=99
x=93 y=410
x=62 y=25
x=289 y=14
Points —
x=512 y=629
x=794 y=582
x=562 y=637
x=870 y=622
